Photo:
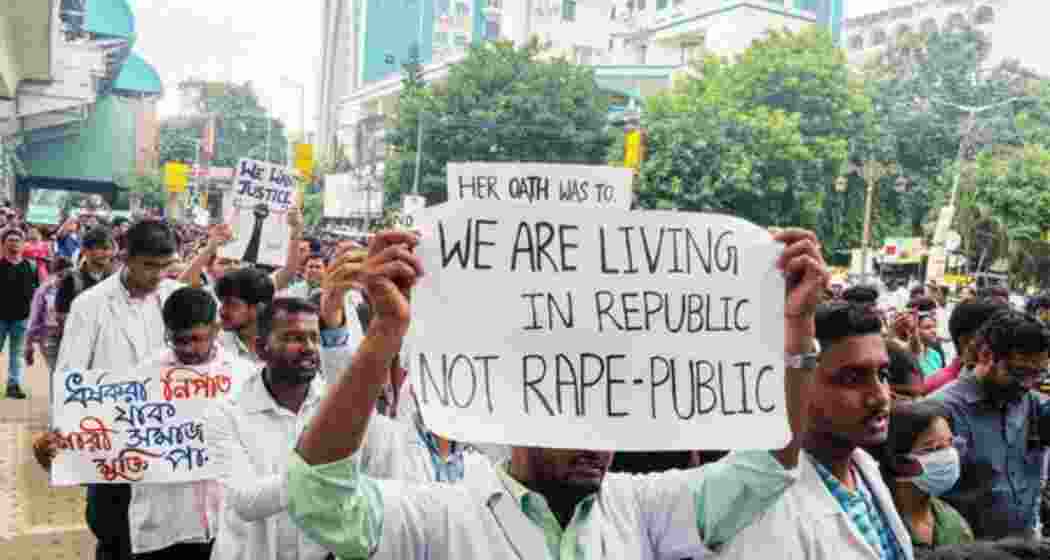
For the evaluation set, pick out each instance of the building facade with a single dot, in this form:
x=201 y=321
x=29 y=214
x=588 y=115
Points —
x=78 y=99
x=635 y=46
x=1011 y=25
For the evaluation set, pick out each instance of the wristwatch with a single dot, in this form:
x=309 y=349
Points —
x=807 y=360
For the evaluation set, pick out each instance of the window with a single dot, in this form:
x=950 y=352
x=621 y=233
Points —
x=929 y=26
x=568 y=10
x=956 y=21
x=441 y=38
x=492 y=29
x=677 y=2
x=903 y=30
x=462 y=9
x=612 y=13
x=461 y=39
x=856 y=42
x=441 y=7
x=498 y=4
x=878 y=38
x=612 y=44
x=661 y=4
x=639 y=5
x=984 y=15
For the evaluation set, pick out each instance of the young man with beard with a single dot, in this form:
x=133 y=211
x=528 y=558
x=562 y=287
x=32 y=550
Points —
x=965 y=321
x=253 y=433
x=242 y=293
x=1004 y=424
x=115 y=325
x=177 y=521
x=543 y=503
x=839 y=508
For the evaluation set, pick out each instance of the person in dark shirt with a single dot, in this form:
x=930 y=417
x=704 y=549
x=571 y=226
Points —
x=97 y=251
x=18 y=281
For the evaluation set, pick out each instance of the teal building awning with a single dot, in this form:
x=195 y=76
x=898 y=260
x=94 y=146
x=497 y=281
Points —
x=138 y=77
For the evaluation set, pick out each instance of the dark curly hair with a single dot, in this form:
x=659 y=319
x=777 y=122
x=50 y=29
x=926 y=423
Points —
x=1011 y=332
x=838 y=320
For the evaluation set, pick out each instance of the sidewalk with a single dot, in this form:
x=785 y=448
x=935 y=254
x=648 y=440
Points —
x=37 y=522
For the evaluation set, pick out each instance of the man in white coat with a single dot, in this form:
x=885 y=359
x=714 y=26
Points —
x=118 y=324
x=543 y=503
x=839 y=508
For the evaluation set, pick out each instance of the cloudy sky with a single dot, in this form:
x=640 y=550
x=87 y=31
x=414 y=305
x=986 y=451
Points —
x=249 y=40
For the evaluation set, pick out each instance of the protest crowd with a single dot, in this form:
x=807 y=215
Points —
x=917 y=428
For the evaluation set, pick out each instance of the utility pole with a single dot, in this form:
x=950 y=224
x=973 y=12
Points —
x=872 y=172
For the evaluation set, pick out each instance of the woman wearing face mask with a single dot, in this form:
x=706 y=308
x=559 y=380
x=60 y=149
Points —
x=920 y=463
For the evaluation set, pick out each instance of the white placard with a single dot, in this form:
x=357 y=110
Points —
x=260 y=199
x=589 y=186
x=347 y=195
x=604 y=329
x=145 y=426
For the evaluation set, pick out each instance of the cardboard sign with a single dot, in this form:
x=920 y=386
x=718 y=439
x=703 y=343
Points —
x=146 y=426
x=605 y=329
x=541 y=184
x=261 y=197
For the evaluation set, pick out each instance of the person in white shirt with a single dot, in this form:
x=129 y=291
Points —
x=114 y=325
x=255 y=431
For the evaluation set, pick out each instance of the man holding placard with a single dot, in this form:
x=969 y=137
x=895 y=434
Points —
x=161 y=449
x=543 y=503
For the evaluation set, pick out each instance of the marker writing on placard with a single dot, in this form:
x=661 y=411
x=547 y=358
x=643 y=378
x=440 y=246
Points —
x=667 y=250
x=710 y=378
x=76 y=391
x=467 y=250
x=481 y=187
x=460 y=380
x=533 y=241
x=142 y=414
x=549 y=307
x=689 y=312
x=569 y=374
x=530 y=188
x=574 y=190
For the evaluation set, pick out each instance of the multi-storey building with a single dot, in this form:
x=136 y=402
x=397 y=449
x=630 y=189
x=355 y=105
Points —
x=71 y=89
x=1011 y=25
x=635 y=46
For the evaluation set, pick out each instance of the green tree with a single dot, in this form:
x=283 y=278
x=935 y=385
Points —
x=922 y=84
x=763 y=137
x=242 y=128
x=500 y=104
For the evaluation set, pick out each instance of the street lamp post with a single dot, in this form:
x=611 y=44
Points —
x=872 y=172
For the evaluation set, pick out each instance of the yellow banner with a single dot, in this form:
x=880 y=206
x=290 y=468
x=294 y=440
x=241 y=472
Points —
x=304 y=161
x=176 y=176
x=632 y=149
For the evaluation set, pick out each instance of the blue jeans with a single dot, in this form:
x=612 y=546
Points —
x=16 y=330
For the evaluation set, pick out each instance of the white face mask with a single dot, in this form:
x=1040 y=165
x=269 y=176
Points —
x=940 y=471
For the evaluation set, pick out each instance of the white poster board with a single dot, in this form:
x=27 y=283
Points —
x=347 y=195
x=260 y=199
x=144 y=426
x=587 y=186
x=605 y=329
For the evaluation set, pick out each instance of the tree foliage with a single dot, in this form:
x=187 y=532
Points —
x=763 y=137
x=925 y=84
x=242 y=127
x=500 y=104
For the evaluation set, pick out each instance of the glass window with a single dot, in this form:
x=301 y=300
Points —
x=492 y=29
x=568 y=10
x=661 y=4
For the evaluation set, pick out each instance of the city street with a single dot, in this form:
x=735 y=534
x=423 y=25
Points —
x=36 y=522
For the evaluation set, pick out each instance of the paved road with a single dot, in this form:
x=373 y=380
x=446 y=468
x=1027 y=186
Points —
x=37 y=522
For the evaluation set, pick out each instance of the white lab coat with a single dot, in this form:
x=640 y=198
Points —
x=808 y=523
x=97 y=334
x=635 y=518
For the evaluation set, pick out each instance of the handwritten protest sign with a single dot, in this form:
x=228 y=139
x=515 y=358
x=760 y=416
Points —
x=145 y=426
x=589 y=186
x=261 y=197
x=604 y=329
